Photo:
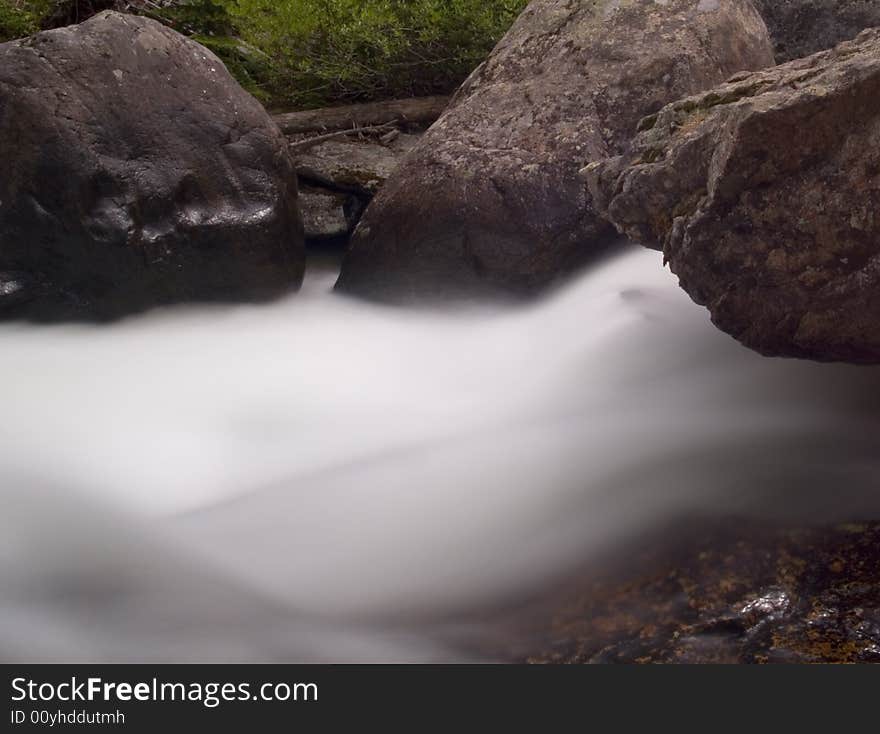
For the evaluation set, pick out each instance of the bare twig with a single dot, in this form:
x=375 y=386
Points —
x=301 y=145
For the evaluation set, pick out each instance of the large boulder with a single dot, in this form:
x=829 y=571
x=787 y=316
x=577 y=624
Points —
x=764 y=195
x=490 y=200
x=136 y=172
x=803 y=27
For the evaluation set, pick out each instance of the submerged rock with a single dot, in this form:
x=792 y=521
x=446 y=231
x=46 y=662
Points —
x=737 y=593
x=803 y=27
x=763 y=195
x=136 y=173
x=489 y=200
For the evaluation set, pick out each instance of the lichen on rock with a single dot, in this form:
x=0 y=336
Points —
x=489 y=200
x=762 y=194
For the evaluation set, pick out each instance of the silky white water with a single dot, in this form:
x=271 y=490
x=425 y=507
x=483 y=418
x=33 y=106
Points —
x=314 y=479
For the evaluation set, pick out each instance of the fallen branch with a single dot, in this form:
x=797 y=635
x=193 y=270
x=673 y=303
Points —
x=307 y=143
x=419 y=110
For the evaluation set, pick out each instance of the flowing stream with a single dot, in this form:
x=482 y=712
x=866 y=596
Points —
x=320 y=478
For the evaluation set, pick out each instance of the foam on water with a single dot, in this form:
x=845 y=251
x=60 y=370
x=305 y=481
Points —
x=291 y=481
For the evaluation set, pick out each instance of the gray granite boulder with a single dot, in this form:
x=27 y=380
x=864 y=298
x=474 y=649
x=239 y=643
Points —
x=490 y=201
x=764 y=195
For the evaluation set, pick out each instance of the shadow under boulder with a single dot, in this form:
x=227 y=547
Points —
x=339 y=178
x=803 y=27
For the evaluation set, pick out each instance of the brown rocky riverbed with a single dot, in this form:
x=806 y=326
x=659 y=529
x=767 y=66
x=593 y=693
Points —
x=732 y=593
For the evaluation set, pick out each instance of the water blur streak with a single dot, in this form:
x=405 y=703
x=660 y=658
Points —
x=309 y=480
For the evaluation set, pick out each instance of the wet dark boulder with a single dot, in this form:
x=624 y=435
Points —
x=763 y=195
x=136 y=173
x=803 y=27
x=489 y=200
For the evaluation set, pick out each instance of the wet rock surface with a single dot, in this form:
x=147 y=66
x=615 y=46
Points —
x=489 y=201
x=328 y=214
x=137 y=173
x=339 y=178
x=804 y=27
x=763 y=194
x=738 y=593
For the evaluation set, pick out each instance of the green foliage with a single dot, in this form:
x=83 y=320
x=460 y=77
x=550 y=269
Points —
x=199 y=17
x=246 y=63
x=328 y=51
x=212 y=23
x=20 y=18
x=308 y=53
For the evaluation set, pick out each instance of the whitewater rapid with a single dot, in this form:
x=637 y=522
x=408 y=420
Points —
x=308 y=480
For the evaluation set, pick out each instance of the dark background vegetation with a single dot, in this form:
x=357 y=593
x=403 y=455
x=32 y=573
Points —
x=309 y=53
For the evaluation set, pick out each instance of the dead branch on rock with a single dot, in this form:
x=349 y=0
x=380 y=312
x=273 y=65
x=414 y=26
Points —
x=301 y=145
x=418 y=111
